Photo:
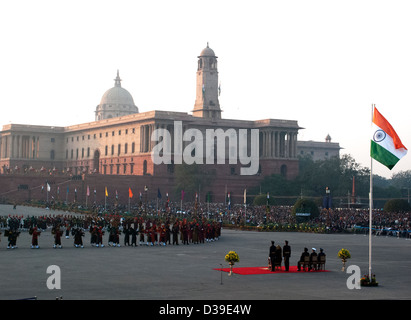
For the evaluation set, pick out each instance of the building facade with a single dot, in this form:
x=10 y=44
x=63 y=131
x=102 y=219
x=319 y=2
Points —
x=121 y=140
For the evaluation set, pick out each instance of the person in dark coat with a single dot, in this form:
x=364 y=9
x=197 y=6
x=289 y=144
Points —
x=301 y=261
x=272 y=255
x=78 y=238
x=286 y=255
x=175 y=230
x=127 y=233
x=133 y=234
x=313 y=260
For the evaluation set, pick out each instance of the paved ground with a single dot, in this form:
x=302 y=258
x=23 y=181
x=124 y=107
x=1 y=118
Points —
x=186 y=272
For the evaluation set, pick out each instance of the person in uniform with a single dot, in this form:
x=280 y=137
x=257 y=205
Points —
x=133 y=234
x=68 y=227
x=78 y=238
x=12 y=238
x=313 y=260
x=163 y=235
x=142 y=233
x=320 y=254
x=57 y=237
x=301 y=261
x=184 y=231
x=100 y=233
x=286 y=255
x=35 y=238
x=272 y=255
x=93 y=238
x=175 y=230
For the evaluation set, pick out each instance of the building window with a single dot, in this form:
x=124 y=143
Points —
x=52 y=154
x=106 y=150
x=112 y=149
x=133 y=147
x=125 y=148
x=119 y=149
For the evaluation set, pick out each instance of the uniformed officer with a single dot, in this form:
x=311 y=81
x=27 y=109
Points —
x=286 y=255
x=272 y=254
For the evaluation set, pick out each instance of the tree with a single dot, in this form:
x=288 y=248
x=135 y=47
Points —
x=305 y=205
x=397 y=205
x=261 y=200
x=190 y=178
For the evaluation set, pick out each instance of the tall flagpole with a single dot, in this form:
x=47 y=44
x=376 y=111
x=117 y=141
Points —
x=371 y=206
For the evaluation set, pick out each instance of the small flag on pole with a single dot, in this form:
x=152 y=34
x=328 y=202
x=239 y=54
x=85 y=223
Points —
x=245 y=196
x=130 y=193
x=386 y=146
x=106 y=192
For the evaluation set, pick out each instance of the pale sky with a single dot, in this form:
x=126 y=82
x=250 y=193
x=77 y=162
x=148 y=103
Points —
x=322 y=63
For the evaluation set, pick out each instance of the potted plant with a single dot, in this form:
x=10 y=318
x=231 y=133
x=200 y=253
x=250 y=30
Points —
x=231 y=257
x=344 y=254
x=366 y=281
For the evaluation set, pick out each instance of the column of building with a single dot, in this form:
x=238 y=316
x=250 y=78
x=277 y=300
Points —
x=278 y=144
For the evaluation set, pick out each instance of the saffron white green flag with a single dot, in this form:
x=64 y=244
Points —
x=386 y=146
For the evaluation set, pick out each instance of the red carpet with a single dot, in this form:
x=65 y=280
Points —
x=264 y=270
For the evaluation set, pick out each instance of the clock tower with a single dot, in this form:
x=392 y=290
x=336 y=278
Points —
x=207 y=90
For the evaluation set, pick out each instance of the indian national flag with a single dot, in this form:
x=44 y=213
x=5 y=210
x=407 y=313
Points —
x=386 y=146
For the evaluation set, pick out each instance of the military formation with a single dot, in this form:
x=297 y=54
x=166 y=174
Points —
x=111 y=230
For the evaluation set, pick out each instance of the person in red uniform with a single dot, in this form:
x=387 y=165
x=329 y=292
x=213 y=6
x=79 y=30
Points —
x=35 y=238
x=100 y=233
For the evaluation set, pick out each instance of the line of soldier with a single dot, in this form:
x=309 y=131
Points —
x=148 y=231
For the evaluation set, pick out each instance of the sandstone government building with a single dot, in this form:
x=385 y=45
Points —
x=114 y=151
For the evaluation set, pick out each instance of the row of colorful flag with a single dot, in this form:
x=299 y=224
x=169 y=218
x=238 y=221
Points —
x=131 y=194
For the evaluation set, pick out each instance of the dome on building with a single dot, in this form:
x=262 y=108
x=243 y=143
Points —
x=207 y=52
x=116 y=102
